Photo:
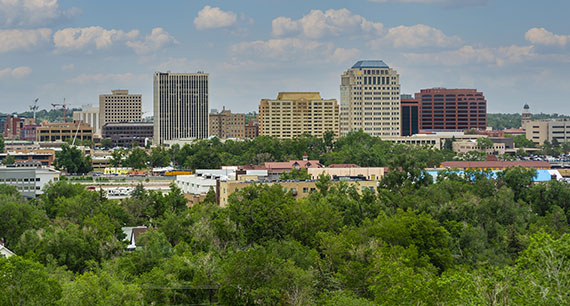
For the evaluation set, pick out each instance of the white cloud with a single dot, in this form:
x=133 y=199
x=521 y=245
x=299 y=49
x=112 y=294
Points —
x=32 y=12
x=318 y=24
x=470 y=55
x=17 y=73
x=71 y=39
x=157 y=39
x=416 y=36
x=282 y=49
x=342 y=55
x=68 y=67
x=119 y=78
x=541 y=36
x=449 y=3
x=213 y=17
x=12 y=40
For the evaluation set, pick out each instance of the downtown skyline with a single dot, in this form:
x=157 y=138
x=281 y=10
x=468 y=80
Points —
x=77 y=50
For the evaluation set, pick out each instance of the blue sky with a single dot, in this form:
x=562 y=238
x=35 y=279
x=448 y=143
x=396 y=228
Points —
x=516 y=52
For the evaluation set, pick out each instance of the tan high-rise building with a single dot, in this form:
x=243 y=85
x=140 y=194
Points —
x=119 y=106
x=181 y=106
x=295 y=113
x=370 y=99
x=227 y=125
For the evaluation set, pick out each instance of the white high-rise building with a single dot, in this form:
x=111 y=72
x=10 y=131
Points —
x=90 y=115
x=370 y=99
x=181 y=106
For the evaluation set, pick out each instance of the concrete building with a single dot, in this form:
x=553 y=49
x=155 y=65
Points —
x=539 y=131
x=120 y=106
x=226 y=124
x=251 y=129
x=409 y=120
x=181 y=104
x=29 y=180
x=293 y=114
x=90 y=115
x=464 y=146
x=452 y=109
x=45 y=157
x=370 y=99
x=127 y=133
x=62 y=131
x=298 y=189
x=369 y=173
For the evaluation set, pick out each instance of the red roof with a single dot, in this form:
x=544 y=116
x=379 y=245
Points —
x=343 y=166
x=495 y=164
x=288 y=165
x=514 y=131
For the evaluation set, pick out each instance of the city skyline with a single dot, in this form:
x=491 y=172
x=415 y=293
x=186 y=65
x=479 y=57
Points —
x=77 y=50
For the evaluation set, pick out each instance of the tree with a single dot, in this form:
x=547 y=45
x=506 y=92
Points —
x=137 y=159
x=484 y=143
x=72 y=160
x=2 y=144
x=24 y=282
x=117 y=158
x=107 y=143
x=9 y=160
x=159 y=157
x=522 y=142
x=296 y=174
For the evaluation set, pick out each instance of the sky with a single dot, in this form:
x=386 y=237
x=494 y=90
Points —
x=515 y=52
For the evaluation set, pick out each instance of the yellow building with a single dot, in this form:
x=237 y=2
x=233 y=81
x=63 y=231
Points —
x=295 y=113
x=370 y=173
x=298 y=189
x=117 y=171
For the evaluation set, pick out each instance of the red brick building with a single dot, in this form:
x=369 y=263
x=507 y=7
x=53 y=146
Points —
x=451 y=109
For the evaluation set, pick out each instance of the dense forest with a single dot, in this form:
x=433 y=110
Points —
x=513 y=121
x=458 y=241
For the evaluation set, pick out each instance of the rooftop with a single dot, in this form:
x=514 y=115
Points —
x=292 y=96
x=370 y=64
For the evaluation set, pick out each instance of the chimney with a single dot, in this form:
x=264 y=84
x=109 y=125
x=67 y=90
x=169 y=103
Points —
x=305 y=156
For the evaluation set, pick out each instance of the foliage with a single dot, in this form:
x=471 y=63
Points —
x=296 y=174
x=136 y=159
x=72 y=160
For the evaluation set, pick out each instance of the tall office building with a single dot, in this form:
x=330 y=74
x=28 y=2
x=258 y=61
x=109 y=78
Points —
x=370 y=99
x=409 y=114
x=293 y=114
x=120 y=106
x=452 y=109
x=181 y=106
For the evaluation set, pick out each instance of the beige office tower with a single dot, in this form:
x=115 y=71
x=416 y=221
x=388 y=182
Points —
x=181 y=106
x=370 y=99
x=295 y=113
x=119 y=106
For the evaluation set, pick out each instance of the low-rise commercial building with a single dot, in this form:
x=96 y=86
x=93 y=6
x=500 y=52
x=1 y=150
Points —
x=63 y=131
x=540 y=131
x=369 y=173
x=495 y=164
x=28 y=180
x=298 y=189
x=127 y=133
x=464 y=146
x=45 y=157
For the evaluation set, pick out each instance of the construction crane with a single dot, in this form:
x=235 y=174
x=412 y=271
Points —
x=34 y=108
x=63 y=107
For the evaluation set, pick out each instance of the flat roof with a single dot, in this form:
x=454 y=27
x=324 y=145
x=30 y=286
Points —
x=370 y=64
